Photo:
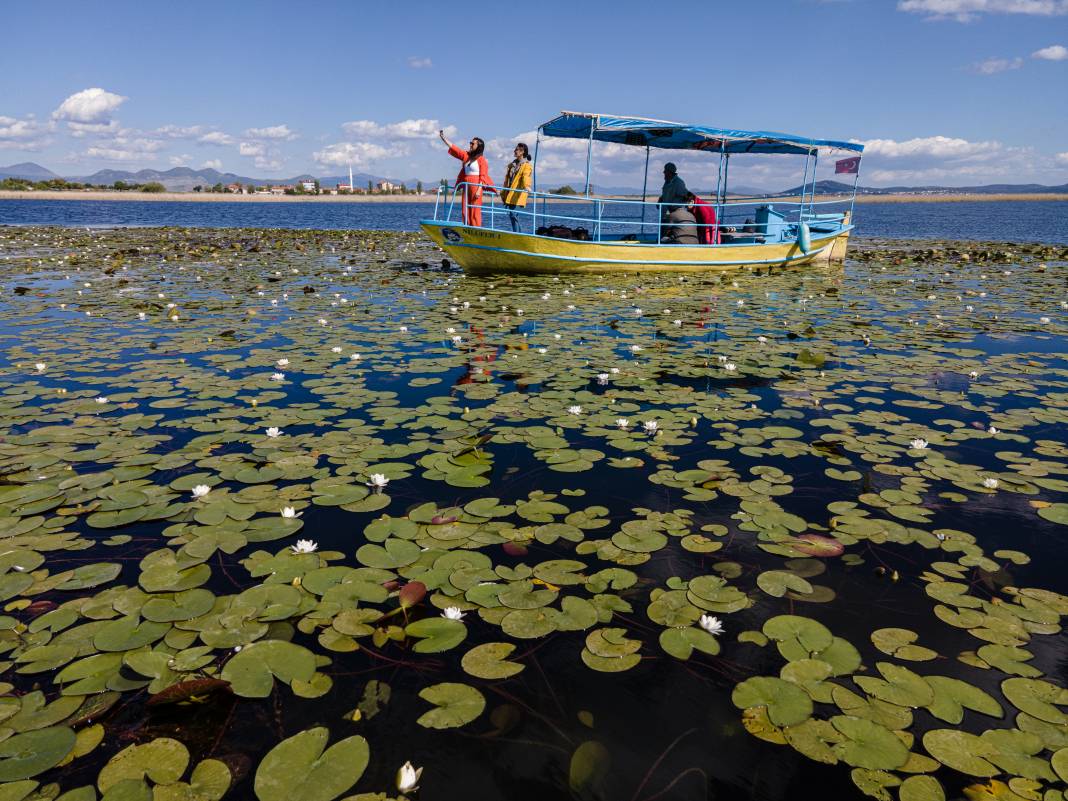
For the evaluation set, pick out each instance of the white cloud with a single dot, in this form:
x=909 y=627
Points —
x=419 y=63
x=180 y=160
x=216 y=138
x=1061 y=159
x=24 y=134
x=405 y=129
x=940 y=147
x=80 y=129
x=89 y=105
x=123 y=148
x=179 y=132
x=992 y=66
x=252 y=149
x=358 y=154
x=280 y=132
x=211 y=164
x=968 y=10
x=1052 y=53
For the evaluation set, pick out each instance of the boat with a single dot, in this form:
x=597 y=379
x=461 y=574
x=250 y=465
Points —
x=584 y=232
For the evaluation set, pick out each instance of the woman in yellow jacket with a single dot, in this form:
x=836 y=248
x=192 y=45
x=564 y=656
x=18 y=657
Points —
x=517 y=183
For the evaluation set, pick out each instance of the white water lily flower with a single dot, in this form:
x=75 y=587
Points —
x=141 y=315
x=540 y=350
x=973 y=374
x=40 y=367
x=574 y=410
x=452 y=613
x=711 y=624
x=404 y=329
x=378 y=480
x=762 y=340
x=278 y=376
x=677 y=323
x=273 y=431
x=614 y=371
x=200 y=490
x=322 y=321
x=622 y=422
x=992 y=430
x=990 y=483
x=335 y=349
x=637 y=312
x=519 y=312
x=408 y=778
x=288 y=512
x=450 y=330
x=1044 y=320
x=546 y=296
x=730 y=367
x=101 y=399
x=650 y=426
x=457 y=339
x=304 y=546
x=355 y=357
x=918 y=444
x=635 y=348
x=602 y=378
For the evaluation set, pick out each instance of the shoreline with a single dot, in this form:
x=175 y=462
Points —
x=195 y=197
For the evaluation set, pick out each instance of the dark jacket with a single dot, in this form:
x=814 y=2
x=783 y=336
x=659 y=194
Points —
x=682 y=228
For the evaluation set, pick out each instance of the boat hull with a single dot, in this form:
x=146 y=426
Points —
x=486 y=250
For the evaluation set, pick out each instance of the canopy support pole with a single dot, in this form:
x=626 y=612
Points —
x=812 y=193
x=853 y=199
x=645 y=186
x=534 y=218
x=804 y=183
x=589 y=158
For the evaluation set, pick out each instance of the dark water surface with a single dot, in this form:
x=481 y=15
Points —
x=787 y=404
x=1008 y=221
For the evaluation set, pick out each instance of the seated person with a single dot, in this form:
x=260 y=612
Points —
x=674 y=192
x=682 y=228
x=705 y=214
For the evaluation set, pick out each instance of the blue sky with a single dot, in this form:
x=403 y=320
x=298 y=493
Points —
x=954 y=92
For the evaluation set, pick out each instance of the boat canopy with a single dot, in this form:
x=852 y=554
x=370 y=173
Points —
x=680 y=136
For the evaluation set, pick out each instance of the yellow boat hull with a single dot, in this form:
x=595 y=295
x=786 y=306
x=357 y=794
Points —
x=485 y=250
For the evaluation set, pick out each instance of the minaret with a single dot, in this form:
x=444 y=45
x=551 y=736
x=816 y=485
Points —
x=351 y=187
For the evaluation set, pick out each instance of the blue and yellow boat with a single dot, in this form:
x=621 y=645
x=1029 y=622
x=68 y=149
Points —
x=589 y=233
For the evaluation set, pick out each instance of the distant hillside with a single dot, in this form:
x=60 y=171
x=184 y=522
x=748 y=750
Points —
x=27 y=170
x=183 y=179
x=839 y=187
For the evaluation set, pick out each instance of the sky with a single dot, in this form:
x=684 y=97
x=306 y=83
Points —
x=948 y=92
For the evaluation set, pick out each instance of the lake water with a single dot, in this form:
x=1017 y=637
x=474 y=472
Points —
x=858 y=470
x=1045 y=221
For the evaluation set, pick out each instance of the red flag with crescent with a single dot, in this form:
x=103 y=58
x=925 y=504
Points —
x=850 y=165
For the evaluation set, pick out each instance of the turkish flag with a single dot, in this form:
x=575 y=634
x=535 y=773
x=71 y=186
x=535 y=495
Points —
x=850 y=165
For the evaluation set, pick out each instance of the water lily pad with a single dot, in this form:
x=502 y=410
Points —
x=490 y=661
x=33 y=752
x=300 y=767
x=252 y=671
x=787 y=704
x=454 y=705
x=436 y=634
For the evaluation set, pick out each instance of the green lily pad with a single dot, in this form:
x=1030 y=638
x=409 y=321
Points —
x=454 y=705
x=299 y=767
x=31 y=753
x=490 y=661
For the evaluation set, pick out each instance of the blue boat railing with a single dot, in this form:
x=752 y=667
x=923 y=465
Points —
x=738 y=220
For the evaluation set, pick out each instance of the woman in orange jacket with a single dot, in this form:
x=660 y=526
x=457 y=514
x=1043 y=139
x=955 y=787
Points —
x=474 y=173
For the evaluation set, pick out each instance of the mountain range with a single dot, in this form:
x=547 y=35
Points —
x=183 y=179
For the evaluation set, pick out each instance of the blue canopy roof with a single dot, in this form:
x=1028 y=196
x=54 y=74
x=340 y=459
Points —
x=679 y=136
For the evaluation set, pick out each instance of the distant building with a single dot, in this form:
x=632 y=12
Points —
x=344 y=188
x=308 y=186
x=327 y=191
x=236 y=189
x=386 y=186
x=279 y=190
